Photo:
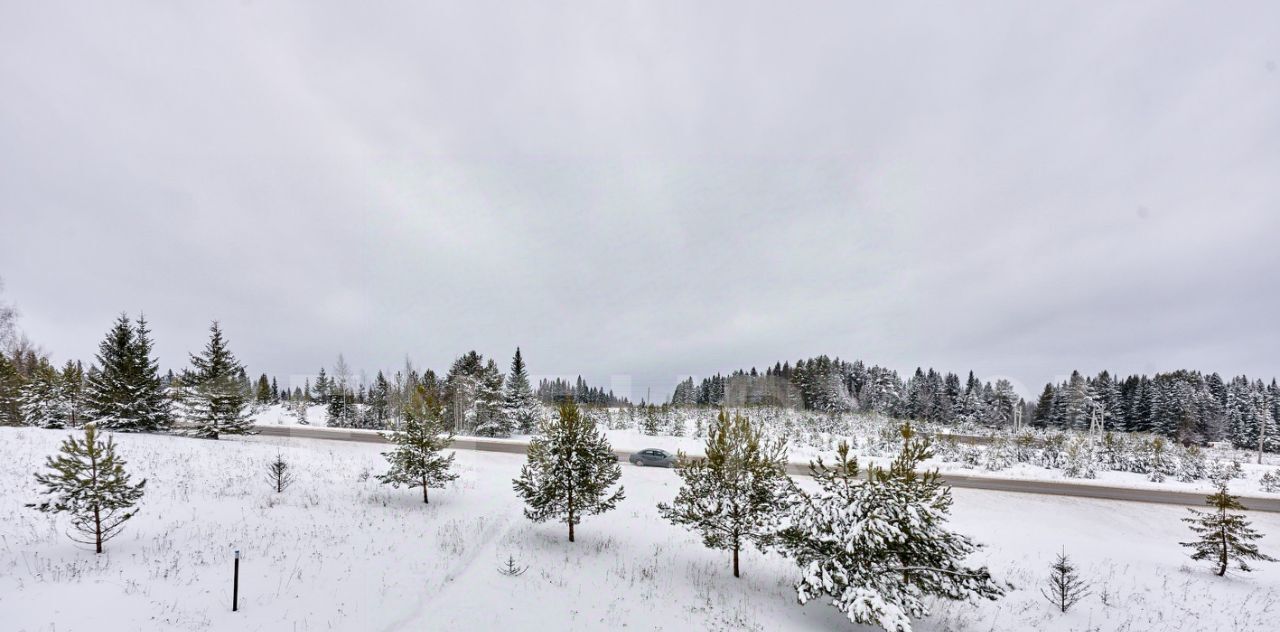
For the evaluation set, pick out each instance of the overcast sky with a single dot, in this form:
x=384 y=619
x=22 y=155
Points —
x=649 y=189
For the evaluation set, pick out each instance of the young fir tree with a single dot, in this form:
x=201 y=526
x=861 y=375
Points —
x=1064 y=587
x=1224 y=537
x=738 y=493
x=215 y=398
x=89 y=483
x=418 y=459
x=262 y=392
x=521 y=407
x=880 y=548
x=43 y=400
x=125 y=393
x=570 y=470
x=10 y=393
x=279 y=474
x=491 y=417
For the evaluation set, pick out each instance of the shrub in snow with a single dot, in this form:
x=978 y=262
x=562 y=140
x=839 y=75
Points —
x=1078 y=460
x=1224 y=537
x=89 y=483
x=1270 y=482
x=1064 y=587
x=569 y=471
x=1191 y=465
x=1053 y=451
x=947 y=449
x=1024 y=447
x=737 y=493
x=971 y=456
x=416 y=460
x=880 y=549
x=999 y=455
x=1155 y=460
x=1221 y=473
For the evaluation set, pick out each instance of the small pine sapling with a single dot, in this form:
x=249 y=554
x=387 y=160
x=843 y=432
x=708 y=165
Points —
x=89 y=483
x=1224 y=537
x=1064 y=587
x=1270 y=482
x=511 y=569
x=279 y=474
x=417 y=460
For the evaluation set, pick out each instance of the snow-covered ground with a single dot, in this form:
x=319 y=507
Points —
x=339 y=551
x=632 y=440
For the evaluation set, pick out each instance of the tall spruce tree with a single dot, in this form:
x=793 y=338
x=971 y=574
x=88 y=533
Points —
x=570 y=470
x=880 y=548
x=215 y=398
x=418 y=459
x=89 y=482
x=126 y=393
x=1224 y=537
x=737 y=493
x=491 y=417
x=521 y=407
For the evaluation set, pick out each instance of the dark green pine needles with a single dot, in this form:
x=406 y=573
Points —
x=417 y=460
x=570 y=470
x=738 y=493
x=1224 y=537
x=88 y=482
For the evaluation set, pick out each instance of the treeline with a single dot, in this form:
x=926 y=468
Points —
x=1187 y=406
x=557 y=391
x=833 y=385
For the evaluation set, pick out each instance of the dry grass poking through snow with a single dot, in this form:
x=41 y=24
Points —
x=339 y=551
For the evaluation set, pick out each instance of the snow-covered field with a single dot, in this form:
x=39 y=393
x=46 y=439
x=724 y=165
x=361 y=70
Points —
x=339 y=551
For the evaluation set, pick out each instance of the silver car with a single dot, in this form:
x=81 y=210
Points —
x=653 y=457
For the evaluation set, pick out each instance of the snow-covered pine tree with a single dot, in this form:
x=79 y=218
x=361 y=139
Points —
x=378 y=410
x=321 y=388
x=880 y=548
x=735 y=495
x=125 y=393
x=341 y=408
x=10 y=393
x=89 y=482
x=570 y=470
x=44 y=401
x=153 y=405
x=418 y=459
x=1224 y=537
x=1064 y=588
x=214 y=397
x=491 y=417
x=262 y=392
x=521 y=407
x=650 y=424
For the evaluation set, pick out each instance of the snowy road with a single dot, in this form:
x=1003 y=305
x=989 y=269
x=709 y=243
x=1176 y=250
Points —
x=1056 y=488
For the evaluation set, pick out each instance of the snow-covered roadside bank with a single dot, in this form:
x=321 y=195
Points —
x=866 y=435
x=338 y=551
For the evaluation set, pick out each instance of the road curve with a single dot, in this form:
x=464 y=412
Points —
x=1057 y=488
